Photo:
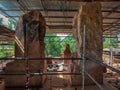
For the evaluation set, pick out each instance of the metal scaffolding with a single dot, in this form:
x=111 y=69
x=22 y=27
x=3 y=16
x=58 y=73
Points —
x=84 y=58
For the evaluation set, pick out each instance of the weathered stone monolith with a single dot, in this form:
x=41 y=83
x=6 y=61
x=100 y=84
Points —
x=89 y=15
x=30 y=31
x=67 y=53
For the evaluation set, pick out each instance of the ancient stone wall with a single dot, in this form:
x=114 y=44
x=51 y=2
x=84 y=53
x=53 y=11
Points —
x=34 y=23
x=89 y=15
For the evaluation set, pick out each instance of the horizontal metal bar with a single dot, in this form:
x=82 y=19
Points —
x=103 y=64
x=20 y=58
x=55 y=73
x=39 y=74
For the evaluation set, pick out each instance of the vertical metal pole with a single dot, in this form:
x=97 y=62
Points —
x=111 y=52
x=27 y=63
x=83 y=61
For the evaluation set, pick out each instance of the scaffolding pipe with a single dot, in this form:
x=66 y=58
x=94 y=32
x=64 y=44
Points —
x=39 y=74
x=86 y=56
x=83 y=57
x=101 y=88
x=98 y=61
x=27 y=62
x=21 y=58
x=111 y=54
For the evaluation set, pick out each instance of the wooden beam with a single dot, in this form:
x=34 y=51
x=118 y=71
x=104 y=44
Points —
x=59 y=21
x=59 y=31
x=48 y=10
x=56 y=10
x=57 y=16
x=113 y=11
x=6 y=34
x=74 y=0
x=60 y=26
x=50 y=16
x=110 y=23
x=111 y=18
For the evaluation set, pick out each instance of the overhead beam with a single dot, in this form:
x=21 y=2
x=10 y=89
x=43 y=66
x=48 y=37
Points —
x=59 y=21
x=57 y=10
x=113 y=11
x=111 y=18
x=49 y=10
x=6 y=34
x=110 y=23
x=50 y=16
x=57 y=16
x=7 y=15
x=70 y=17
x=110 y=26
x=60 y=26
x=59 y=31
x=75 y=0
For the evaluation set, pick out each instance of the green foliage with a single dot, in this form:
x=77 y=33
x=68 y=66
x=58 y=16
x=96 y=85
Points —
x=6 y=50
x=55 y=45
x=106 y=42
x=11 y=24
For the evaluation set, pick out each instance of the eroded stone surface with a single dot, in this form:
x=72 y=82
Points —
x=67 y=53
x=89 y=15
x=34 y=23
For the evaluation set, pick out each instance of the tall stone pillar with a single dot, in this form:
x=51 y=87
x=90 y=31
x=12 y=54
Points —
x=67 y=53
x=89 y=15
x=35 y=25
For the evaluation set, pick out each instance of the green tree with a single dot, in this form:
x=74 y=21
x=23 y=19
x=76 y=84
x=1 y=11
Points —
x=7 y=50
x=11 y=24
x=53 y=46
x=106 y=42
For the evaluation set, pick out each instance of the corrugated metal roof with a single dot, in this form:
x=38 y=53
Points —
x=61 y=12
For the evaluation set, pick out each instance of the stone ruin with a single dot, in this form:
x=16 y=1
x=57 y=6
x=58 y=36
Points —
x=89 y=15
x=35 y=25
x=67 y=53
